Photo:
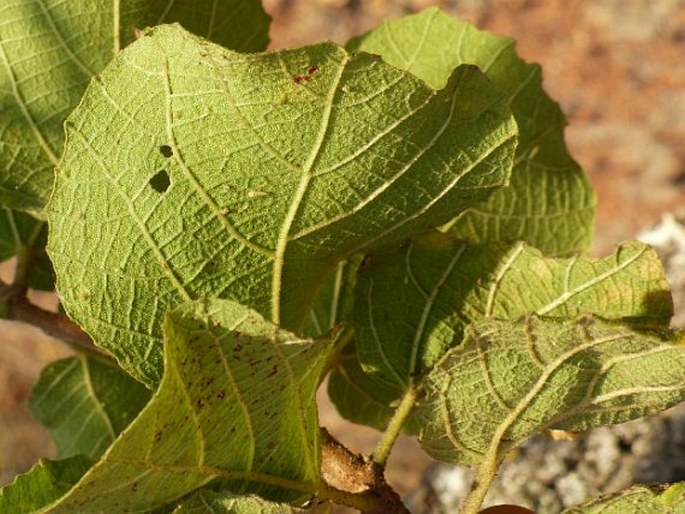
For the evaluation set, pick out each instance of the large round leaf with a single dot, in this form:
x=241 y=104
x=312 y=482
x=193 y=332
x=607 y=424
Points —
x=191 y=171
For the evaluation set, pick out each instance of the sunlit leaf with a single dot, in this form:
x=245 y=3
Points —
x=279 y=165
x=510 y=380
x=550 y=203
x=639 y=499
x=46 y=482
x=412 y=305
x=236 y=403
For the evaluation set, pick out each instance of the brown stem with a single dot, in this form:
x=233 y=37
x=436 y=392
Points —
x=19 y=308
x=356 y=480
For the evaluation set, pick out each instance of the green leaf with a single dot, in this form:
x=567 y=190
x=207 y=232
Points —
x=358 y=396
x=24 y=236
x=280 y=165
x=510 y=380
x=639 y=499
x=85 y=402
x=335 y=299
x=50 y=50
x=211 y=502
x=42 y=484
x=550 y=203
x=237 y=403
x=412 y=305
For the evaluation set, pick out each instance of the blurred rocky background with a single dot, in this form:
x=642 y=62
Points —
x=617 y=67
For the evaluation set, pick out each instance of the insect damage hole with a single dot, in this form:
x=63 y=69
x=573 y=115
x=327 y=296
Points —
x=160 y=182
x=166 y=151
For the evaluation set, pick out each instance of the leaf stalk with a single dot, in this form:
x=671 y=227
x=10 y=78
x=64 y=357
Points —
x=399 y=418
x=484 y=476
x=18 y=308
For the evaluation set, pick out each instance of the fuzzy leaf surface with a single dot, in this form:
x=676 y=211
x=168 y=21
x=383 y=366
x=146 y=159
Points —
x=86 y=402
x=44 y=483
x=550 y=203
x=277 y=166
x=49 y=50
x=22 y=234
x=210 y=502
x=236 y=403
x=639 y=499
x=512 y=379
x=412 y=305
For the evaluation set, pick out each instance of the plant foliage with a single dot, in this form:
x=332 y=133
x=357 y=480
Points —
x=230 y=226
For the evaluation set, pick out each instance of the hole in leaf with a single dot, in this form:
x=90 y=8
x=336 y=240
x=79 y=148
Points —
x=166 y=151
x=161 y=181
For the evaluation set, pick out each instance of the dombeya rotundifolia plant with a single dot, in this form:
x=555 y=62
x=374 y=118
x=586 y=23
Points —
x=230 y=227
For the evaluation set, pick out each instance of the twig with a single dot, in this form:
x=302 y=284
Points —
x=356 y=481
x=19 y=308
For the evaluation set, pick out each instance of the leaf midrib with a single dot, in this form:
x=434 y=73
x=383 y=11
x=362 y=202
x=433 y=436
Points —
x=427 y=308
x=568 y=294
x=97 y=404
x=282 y=241
x=142 y=227
x=178 y=156
x=539 y=385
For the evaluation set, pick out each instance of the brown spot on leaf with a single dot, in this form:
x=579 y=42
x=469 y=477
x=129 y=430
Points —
x=301 y=79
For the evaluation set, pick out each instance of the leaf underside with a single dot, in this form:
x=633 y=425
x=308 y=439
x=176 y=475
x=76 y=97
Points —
x=43 y=484
x=280 y=164
x=412 y=305
x=639 y=499
x=550 y=203
x=210 y=502
x=236 y=404
x=49 y=51
x=86 y=402
x=518 y=378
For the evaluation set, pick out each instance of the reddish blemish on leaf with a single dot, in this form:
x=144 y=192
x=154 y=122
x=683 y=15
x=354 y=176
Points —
x=301 y=79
